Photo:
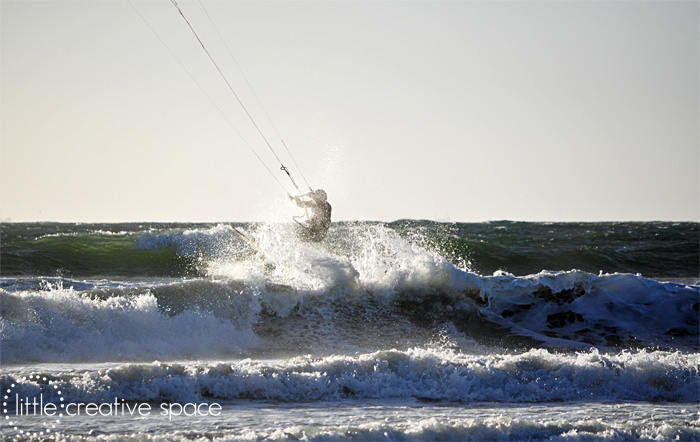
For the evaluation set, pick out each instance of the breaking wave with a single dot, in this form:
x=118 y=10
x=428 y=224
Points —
x=364 y=290
x=537 y=375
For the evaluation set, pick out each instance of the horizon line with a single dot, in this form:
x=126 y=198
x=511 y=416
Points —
x=442 y=221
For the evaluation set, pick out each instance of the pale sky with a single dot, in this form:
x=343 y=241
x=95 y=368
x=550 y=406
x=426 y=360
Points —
x=456 y=110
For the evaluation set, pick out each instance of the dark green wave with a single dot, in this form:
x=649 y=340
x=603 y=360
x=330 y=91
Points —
x=87 y=254
x=654 y=249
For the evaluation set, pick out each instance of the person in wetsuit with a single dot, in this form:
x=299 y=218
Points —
x=316 y=227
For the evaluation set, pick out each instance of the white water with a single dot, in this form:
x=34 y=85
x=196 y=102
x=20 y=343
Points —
x=398 y=421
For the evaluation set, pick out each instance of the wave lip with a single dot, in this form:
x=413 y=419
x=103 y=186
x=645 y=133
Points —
x=656 y=250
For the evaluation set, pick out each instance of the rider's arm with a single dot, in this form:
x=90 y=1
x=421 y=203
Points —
x=303 y=203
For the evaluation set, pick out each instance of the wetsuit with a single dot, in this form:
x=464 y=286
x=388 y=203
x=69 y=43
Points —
x=317 y=226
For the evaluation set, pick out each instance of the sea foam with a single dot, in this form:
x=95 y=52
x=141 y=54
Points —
x=420 y=374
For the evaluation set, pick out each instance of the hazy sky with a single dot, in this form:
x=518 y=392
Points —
x=456 y=110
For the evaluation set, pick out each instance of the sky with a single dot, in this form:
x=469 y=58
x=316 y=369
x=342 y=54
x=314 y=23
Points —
x=110 y=111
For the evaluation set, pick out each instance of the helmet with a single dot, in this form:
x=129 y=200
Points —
x=320 y=194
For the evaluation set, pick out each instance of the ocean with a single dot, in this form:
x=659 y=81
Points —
x=410 y=330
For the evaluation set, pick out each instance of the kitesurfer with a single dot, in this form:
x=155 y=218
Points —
x=319 y=221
